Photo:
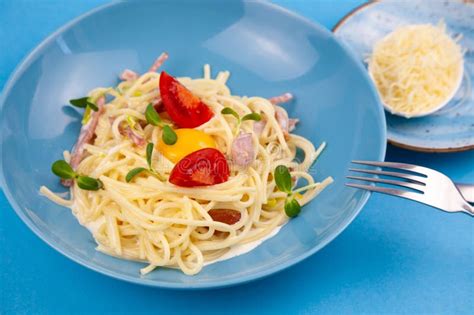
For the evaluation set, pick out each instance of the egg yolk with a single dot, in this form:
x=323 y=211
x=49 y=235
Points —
x=189 y=140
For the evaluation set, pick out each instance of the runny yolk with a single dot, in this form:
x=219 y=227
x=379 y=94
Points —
x=189 y=140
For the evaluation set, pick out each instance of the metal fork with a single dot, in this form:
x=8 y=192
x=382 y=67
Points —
x=426 y=185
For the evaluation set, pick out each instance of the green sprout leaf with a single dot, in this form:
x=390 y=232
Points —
x=92 y=106
x=133 y=173
x=80 y=102
x=152 y=116
x=84 y=102
x=87 y=115
x=230 y=111
x=89 y=183
x=169 y=136
x=292 y=207
x=283 y=178
x=252 y=116
x=63 y=170
x=149 y=153
x=131 y=121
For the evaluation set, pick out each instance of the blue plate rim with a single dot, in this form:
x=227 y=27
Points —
x=20 y=68
x=339 y=24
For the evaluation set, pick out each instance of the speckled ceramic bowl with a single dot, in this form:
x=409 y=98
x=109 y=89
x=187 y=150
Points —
x=450 y=127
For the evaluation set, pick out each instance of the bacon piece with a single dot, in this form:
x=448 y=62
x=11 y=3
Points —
x=158 y=62
x=243 y=151
x=292 y=124
x=86 y=136
x=258 y=127
x=128 y=75
x=132 y=135
x=281 y=98
x=282 y=118
x=227 y=216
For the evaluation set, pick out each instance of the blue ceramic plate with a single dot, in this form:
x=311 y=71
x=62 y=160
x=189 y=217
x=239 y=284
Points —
x=452 y=127
x=268 y=51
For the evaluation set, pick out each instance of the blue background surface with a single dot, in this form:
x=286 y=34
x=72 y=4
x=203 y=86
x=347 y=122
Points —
x=396 y=257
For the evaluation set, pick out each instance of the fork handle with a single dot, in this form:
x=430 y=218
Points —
x=467 y=191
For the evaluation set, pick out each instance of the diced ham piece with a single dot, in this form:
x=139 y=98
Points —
x=158 y=62
x=286 y=124
x=281 y=98
x=258 y=127
x=86 y=136
x=132 y=135
x=243 y=151
x=128 y=75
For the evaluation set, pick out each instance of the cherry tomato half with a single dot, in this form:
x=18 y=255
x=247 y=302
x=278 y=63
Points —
x=204 y=167
x=184 y=108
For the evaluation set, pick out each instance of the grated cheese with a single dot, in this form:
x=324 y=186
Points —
x=416 y=68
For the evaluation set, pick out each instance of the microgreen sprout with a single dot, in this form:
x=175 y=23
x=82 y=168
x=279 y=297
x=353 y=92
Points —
x=283 y=181
x=63 y=170
x=85 y=102
x=252 y=116
x=134 y=172
x=169 y=135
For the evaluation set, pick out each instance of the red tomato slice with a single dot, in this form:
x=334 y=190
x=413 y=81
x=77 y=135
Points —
x=184 y=108
x=227 y=216
x=203 y=167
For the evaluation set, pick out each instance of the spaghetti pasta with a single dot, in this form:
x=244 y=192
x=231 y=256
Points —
x=162 y=224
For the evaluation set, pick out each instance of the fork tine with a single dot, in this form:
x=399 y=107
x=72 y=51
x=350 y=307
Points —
x=403 y=166
x=417 y=187
x=393 y=192
x=412 y=178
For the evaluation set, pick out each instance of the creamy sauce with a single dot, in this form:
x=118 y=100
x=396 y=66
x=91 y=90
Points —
x=93 y=226
x=241 y=249
x=236 y=250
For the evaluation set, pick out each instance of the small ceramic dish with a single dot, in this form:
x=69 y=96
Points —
x=450 y=127
x=442 y=104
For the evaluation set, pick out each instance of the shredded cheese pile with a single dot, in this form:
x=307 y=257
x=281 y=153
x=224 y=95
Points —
x=416 y=68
